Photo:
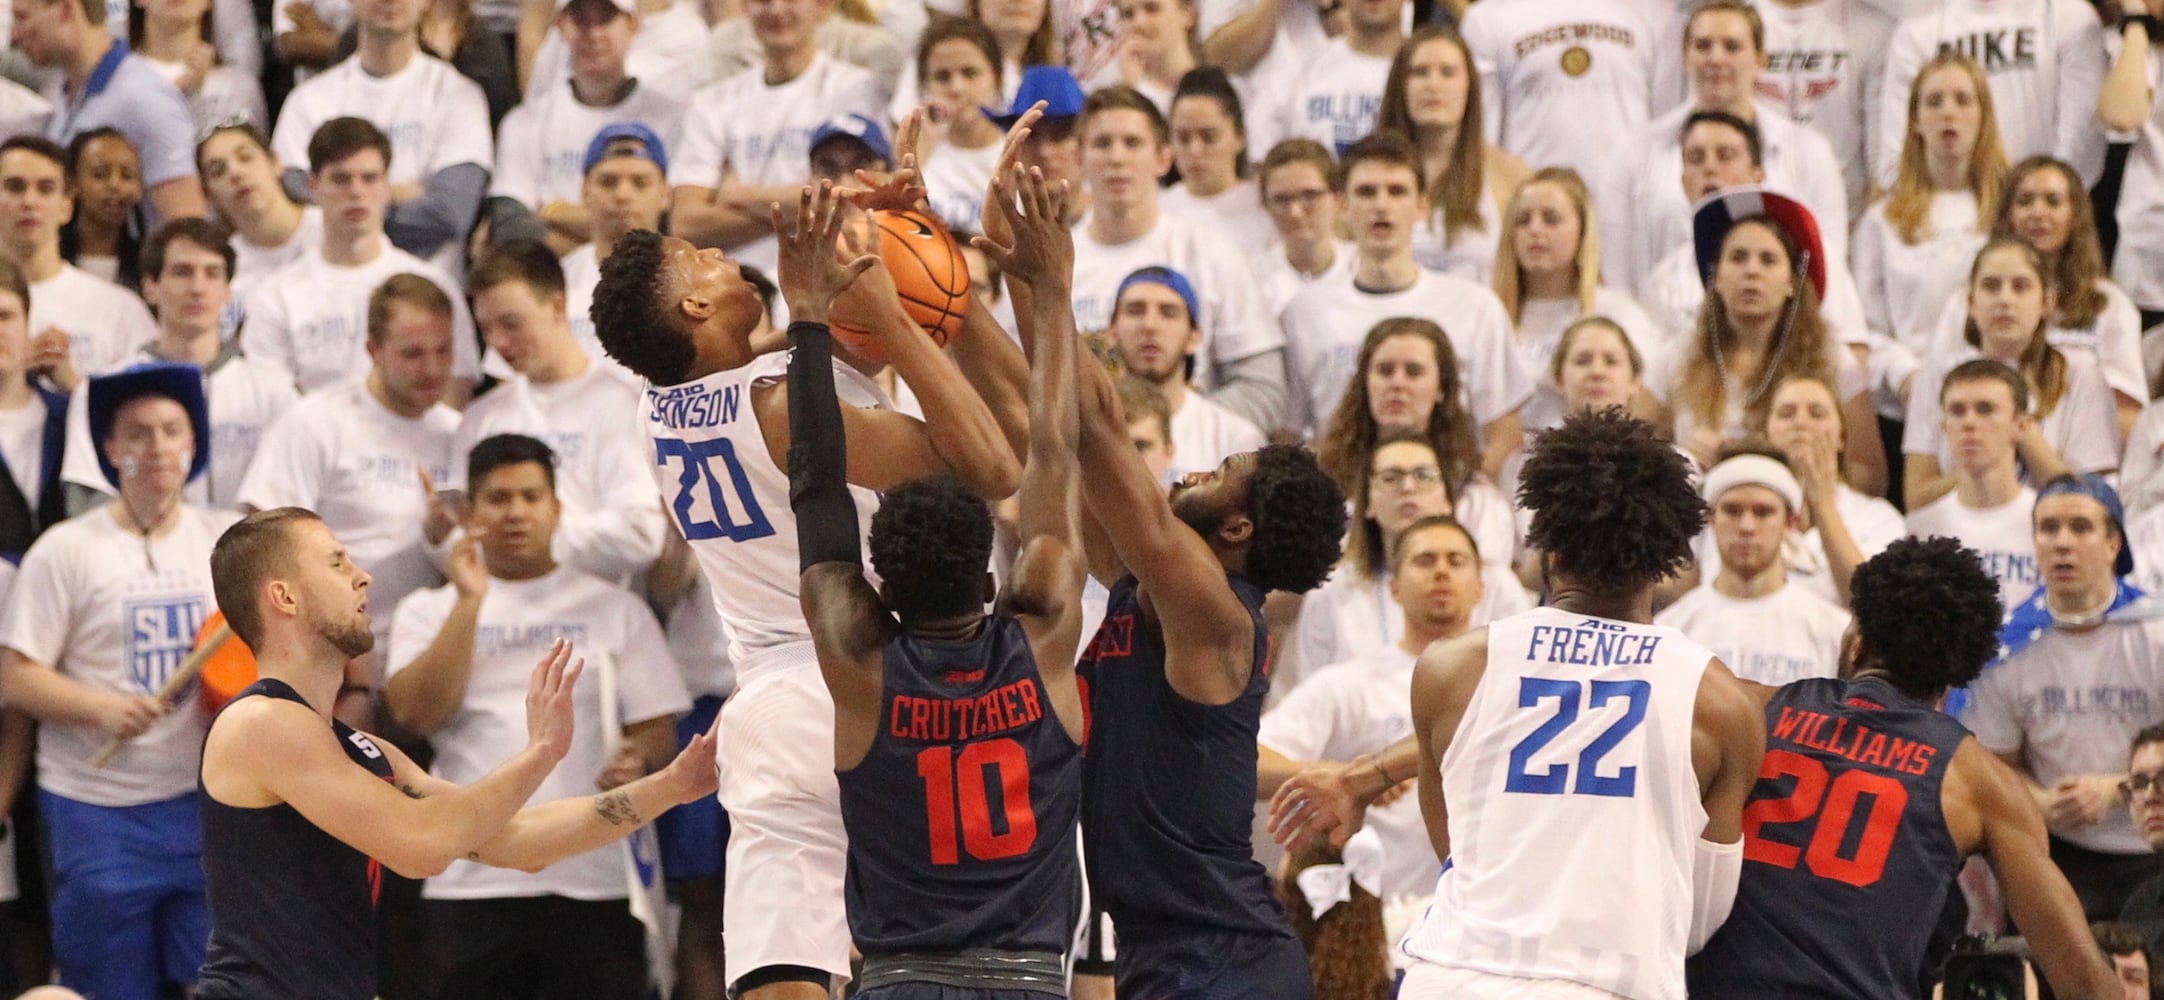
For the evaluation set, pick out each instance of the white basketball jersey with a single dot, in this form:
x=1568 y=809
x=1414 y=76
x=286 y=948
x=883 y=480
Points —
x=731 y=500
x=1574 y=808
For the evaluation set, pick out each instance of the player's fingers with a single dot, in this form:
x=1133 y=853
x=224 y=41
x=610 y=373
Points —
x=571 y=674
x=859 y=266
x=993 y=251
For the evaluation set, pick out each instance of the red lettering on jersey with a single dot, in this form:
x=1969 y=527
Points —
x=964 y=677
x=1082 y=689
x=375 y=883
x=1116 y=637
x=1030 y=704
x=1865 y=703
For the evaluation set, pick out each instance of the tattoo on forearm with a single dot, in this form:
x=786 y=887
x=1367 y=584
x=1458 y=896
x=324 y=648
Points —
x=412 y=792
x=616 y=808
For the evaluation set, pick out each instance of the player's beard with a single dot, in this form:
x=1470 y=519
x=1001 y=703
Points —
x=352 y=638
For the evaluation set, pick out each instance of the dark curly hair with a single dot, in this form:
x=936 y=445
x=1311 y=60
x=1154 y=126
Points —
x=628 y=316
x=1928 y=614
x=931 y=541
x=1299 y=516
x=1612 y=500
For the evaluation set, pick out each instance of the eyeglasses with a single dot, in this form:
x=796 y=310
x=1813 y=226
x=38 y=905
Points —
x=1286 y=200
x=1421 y=477
x=2141 y=783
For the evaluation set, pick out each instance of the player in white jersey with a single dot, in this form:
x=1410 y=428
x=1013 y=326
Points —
x=681 y=318
x=1580 y=716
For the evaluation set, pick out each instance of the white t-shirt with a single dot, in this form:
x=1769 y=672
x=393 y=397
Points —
x=252 y=263
x=22 y=111
x=2145 y=539
x=1571 y=85
x=2138 y=263
x=1798 y=162
x=345 y=456
x=1234 y=327
x=1280 y=282
x=699 y=641
x=116 y=613
x=1788 y=635
x=955 y=180
x=1905 y=286
x=2084 y=427
x=1236 y=213
x=761 y=133
x=22 y=447
x=1674 y=293
x=1205 y=434
x=1470 y=253
x=1541 y=323
x=1872 y=524
x=1849 y=378
x=2045 y=62
x=1328 y=321
x=1354 y=616
x=2001 y=535
x=1334 y=100
x=670 y=52
x=2071 y=703
x=611 y=525
x=105 y=323
x=310 y=317
x=2113 y=338
x=1353 y=707
x=2141 y=471
x=246 y=397
x=227 y=96
x=1825 y=64
x=518 y=621
x=582 y=272
x=541 y=146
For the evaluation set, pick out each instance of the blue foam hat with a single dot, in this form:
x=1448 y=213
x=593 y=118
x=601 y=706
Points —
x=181 y=383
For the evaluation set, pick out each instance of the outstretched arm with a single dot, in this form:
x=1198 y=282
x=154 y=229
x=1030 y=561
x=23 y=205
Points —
x=2009 y=830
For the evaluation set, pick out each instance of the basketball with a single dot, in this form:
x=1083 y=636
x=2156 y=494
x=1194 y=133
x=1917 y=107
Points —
x=930 y=276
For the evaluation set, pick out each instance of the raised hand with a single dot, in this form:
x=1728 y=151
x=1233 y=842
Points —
x=443 y=510
x=901 y=190
x=812 y=276
x=1010 y=153
x=694 y=774
x=549 y=717
x=1042 y=247
x=467 y=570
x=53 y=356
x=1317 y=802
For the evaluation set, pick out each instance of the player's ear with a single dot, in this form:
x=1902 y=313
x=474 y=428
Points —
x=696 y=306
x=1236 y=529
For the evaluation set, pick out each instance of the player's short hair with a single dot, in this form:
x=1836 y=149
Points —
x=1307 y=151
x=1299 y=516
x=528 y=261
x=200 y=232
x=1928 y=614
x=1121 y=97
x=1613 y=503
x=2148 y=735
x=931 y=541
x=1385 y=148
x=247 y=129
x=406 y=288
x=1747 y=130
x=1141 y=401
x=253 y=550
x=1737 y=7
x=13 y=280
x=629 y=318
x=1988 y=370
x=1397 y=552
x=499 y=450
x=43 y=148
x=342 y=137
x=2115 y=937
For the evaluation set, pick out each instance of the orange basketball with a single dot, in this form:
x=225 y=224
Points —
x=930 y=275
x=229 y=671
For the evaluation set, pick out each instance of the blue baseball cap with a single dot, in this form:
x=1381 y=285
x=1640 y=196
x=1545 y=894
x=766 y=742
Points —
x=1054 y=85
x=2093 y=486
x=650 y=146
x=1155 y=275
x=181 y=383
x=858 y=127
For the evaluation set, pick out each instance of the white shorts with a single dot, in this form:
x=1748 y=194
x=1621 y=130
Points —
x=782 y=901
x=1428 y=981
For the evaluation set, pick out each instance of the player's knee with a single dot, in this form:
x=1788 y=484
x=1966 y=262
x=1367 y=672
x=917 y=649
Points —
x=785 y=982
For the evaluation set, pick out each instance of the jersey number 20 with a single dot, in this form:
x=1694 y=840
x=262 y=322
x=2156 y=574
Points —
x=1833 y=804
x=1569 y=697
x=961 y=782
x=712 y=464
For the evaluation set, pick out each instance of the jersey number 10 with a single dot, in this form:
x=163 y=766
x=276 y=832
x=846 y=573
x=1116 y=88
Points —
x=740 y=522
x=1569 y=697
x=964 y=780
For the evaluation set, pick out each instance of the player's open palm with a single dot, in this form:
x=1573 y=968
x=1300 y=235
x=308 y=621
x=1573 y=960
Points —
x=549 y=718
x=694 y=774
x=812 y=277
x=1035 y=211
x=1010 y=153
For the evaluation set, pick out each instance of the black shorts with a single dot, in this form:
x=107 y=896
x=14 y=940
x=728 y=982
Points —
x=936 y=991
x=535 y=946
x=1212 y=965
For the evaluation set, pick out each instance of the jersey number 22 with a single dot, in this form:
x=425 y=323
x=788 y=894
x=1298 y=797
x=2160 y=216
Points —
x=1570 y=696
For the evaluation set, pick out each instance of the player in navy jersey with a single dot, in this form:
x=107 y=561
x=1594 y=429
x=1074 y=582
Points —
x=957 y=733
x=1173 y=685
x=300 y=812
x=1870 y=799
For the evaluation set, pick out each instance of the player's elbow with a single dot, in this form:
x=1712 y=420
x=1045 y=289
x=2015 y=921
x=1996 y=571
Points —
x=1001 y=476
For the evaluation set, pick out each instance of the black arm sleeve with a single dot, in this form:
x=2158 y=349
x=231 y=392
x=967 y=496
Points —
x=826 y=516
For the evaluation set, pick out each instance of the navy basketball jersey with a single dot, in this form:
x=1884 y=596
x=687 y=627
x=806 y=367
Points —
x=292 y=908
x=1847 y=857
x=961 y=819
x=1168 y=785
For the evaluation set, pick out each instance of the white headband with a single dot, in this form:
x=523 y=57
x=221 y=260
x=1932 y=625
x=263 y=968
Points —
x=1753 y=470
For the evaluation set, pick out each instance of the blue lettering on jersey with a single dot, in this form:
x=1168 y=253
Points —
x=489 y=639
x=685 y=407
x=406 y=138
x=1568 y=695
x=703 y=506
x=2015 y=567
x=1591 y=644
x=161 y=631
